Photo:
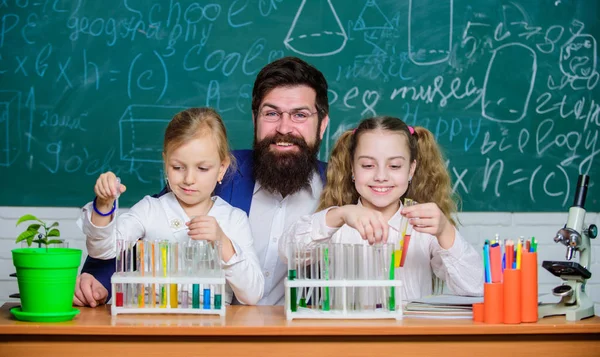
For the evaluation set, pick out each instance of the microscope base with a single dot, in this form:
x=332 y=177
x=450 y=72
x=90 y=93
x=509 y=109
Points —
x=575 y=307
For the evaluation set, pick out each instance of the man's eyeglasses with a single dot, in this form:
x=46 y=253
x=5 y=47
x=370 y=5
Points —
x=297 y=115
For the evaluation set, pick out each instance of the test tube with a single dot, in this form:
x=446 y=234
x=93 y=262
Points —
x=141 y=269
x=337 y=273
x=152 y=251
x=351 y=274
x=292 y=273
x=173 y=271
x=389 y=272
x=215 y=259
x=400 y=241
x=192 y=256
x=131 y=292
x=163 y=271
x=325 y=274
x=184 y=296
x=303 y=271
x=119 y=268
x=378 y=271
x=314 y=275
x=218 y=297
x=406 y=233
x=206 y=297
x=365 y=268
x=205 y=270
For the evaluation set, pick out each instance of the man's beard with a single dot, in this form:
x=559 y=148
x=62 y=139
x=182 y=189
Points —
x=284 y=172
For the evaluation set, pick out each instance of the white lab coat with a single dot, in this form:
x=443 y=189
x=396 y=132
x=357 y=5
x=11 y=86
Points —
x=163 y=218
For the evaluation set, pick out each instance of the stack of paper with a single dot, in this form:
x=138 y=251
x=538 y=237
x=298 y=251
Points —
x=442 y=306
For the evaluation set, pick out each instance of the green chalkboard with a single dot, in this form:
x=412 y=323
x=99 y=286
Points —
x=509 y=88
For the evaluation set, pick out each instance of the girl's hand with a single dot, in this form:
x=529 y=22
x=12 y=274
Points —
x=106 y=190
x=429 y=218
x=205 y=228
x=369 y=223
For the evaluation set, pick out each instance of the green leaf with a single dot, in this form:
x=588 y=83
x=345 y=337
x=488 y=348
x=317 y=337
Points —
x=30 y=241
x=54 y=233
x=26 y=235
x=55 y=224
x=27 y=217
x=55 y=241
x=34 y=227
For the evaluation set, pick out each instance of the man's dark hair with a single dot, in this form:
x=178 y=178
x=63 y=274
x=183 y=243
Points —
x=289 y=72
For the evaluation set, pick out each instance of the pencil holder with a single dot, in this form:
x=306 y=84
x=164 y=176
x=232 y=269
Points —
x=529 y=287
x=512 y=296
x=478 y=312
x=493 y=299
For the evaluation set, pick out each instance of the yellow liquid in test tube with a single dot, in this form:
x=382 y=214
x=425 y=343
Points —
x=163 y=287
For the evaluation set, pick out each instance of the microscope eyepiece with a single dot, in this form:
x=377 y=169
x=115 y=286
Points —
x=581 y=191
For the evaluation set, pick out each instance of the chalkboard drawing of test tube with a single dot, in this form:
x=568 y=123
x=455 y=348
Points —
x=10 y=126
x=578 y=57
x=141 y=131
x=372 y=18
x=508 y=83
x=306 y=39
x=429 y=33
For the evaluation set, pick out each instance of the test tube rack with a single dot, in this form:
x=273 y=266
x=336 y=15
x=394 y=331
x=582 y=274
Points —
x=345 y=312
x=163 y=277
x=342 y=281
x=135 y=281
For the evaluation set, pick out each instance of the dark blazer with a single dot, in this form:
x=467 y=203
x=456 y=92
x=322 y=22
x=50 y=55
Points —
x=237 y=189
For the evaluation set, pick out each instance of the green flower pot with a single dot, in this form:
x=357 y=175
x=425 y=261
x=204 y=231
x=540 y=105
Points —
x=46 y=278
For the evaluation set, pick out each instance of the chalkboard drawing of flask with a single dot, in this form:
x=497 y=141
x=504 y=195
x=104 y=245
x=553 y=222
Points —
x=429 y=31
x=10 y=126
x=372 y=18
x=325 y=39
x=508 y=83
x=140 y=131
x=578 y=57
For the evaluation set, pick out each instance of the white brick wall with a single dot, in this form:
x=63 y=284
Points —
x=476 y=227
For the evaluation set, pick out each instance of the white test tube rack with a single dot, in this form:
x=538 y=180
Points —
x=167 y=267
x=344 y=313
x=134 y=279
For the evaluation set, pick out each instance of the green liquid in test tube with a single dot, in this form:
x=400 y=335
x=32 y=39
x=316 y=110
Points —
x=293 y=291
x=292 y=275
x=196 y=296
x=392 y=299
x=218 y=300
x=326 y=276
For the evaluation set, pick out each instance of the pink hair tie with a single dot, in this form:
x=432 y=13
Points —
x=411 y=130
x=354 y=131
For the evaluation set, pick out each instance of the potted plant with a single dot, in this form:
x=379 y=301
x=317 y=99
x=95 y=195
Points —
x=46 y=276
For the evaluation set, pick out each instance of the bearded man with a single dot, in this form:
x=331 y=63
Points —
x=275 y=183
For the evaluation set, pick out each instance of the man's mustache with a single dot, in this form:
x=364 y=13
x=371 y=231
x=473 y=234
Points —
x=287 y=138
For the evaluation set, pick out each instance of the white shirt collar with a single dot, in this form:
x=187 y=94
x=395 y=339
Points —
x=176 y=213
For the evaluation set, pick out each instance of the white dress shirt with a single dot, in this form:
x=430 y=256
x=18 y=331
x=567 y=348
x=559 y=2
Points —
x=461 y=267
x=270 y=215
x=163 y=218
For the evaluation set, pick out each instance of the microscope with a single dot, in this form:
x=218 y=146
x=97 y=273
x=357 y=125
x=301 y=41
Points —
x=574 y=303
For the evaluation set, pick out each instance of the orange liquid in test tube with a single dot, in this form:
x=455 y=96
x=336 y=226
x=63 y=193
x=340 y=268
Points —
x=406 y=233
